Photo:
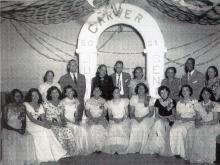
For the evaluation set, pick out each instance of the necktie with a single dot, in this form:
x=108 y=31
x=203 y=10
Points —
x=119 y=82
x=75 y=80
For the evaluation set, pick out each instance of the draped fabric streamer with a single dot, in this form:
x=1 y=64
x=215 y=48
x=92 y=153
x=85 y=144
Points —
x=204 y=12
x=48 y=11
x=23 y=14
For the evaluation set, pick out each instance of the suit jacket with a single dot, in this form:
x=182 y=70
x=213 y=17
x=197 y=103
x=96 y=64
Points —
x=196 y=81
x=126 y=78
x=80 y=86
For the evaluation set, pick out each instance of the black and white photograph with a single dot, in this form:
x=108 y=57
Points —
x=110 y=82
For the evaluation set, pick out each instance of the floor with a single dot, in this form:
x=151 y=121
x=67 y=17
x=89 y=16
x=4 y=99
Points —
x=128 y=159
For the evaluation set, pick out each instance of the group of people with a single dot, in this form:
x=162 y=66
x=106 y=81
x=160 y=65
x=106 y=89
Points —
x=120 y=116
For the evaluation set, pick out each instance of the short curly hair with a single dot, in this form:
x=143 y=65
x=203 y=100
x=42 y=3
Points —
x=28 y=97
x=187 y=86
x=13 y=92
x=49 y=91
x=163 y=87
x=69 y=87
x=141 y=84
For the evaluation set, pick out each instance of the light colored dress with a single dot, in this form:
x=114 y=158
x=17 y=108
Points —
x=134 y=82
x=97 y=132
x=140 y=130
x=17 y=149
x=179 y=130
x=201 y=142
x=64 y=134
x=45 y=86
x=47 y=147
x=118 y=133
x=79 y=131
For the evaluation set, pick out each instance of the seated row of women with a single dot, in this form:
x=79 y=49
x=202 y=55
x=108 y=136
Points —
x=139 y=125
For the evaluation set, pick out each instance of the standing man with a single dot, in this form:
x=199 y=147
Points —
x=121 y=79
x=77 y=81
x=193 y=78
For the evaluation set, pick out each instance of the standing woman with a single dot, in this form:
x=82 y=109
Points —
x=48 y=82
x=96 y=123
x=71 y=105
x=104 y=81
x=184 y=120
x=47 y=147
x=119 y=126
x=165 y=110
x=201 y=139
x=141 y=112
x=213 y=82
x=17 y=143
x=172 y=83
x=55 y=116
x=138 y=78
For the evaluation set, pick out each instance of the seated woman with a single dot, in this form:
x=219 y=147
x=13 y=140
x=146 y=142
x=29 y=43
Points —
x=55 y=116
x=17 y=143
x=201 y=139
x=47 y=147
x=165 y=110
x=119 y=126
x=71 y=106
x=141 y=112
x=184 y=120
x=48 y=82
x=96 y=123
x=138 y=78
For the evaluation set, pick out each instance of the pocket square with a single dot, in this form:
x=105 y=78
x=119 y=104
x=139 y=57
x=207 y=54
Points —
x=194 y=81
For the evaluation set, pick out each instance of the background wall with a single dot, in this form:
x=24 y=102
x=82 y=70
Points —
x=22 y=65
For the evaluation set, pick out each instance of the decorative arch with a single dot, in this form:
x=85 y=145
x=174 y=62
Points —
x=130 y=15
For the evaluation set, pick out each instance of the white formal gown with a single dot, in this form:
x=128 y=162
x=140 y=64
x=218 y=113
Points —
x=178 y=132
x=140 y=130
x=97 y=132
x=118 y=133
x=79 y=131
x=47 y=146
x=201 y=142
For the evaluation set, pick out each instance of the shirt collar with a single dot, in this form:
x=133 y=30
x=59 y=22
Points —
x=192 y=72
x=71 y=74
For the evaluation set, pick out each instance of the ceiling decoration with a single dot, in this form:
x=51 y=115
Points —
x=204 y=12
x=48 y=11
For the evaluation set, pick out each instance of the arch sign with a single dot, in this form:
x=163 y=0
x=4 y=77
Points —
x=134 y=17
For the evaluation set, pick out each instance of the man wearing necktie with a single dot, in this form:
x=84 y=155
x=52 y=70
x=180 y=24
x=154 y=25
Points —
x=121 y=79
x=193 y=78
x=76 y=80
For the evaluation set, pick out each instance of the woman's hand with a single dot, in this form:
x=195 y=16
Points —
x=171 y=118
x=198 y=123
x=21 y=131
x=46 y=125
x=119 y=120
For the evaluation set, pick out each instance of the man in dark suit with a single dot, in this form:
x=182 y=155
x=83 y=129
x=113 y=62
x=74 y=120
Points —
x=76 y=80
x=121 y=79
x=193 y=78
